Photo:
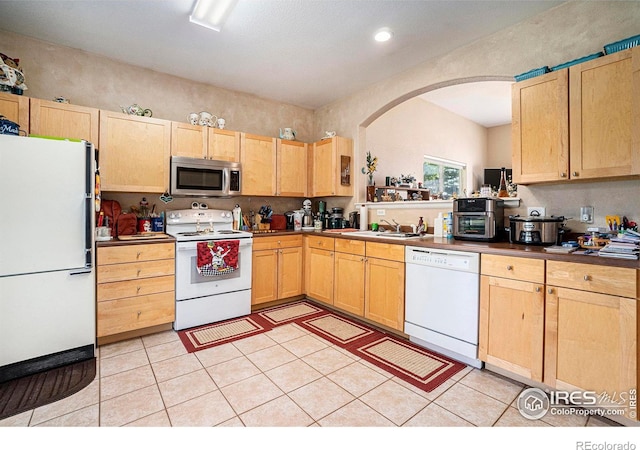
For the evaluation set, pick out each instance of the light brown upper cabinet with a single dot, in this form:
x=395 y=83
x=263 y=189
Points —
x=134 y=153
x=196 y=141
x=292 y=157
x=64 y=120
x=16 y=109
x=332 y=168
x=579 y=123
x=258 y=159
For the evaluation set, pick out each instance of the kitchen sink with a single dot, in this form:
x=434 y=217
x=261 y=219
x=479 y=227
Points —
x=385 y=234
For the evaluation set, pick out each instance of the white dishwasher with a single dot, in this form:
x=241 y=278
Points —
x=442 y=291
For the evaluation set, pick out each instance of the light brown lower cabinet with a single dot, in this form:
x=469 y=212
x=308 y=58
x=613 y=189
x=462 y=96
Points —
x=591 y=330
x=135 y=287
x=319 y=268
x=349 y=279
x=276 y=268
x=511 y=320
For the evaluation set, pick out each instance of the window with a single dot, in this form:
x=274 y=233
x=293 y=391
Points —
x=443 y=176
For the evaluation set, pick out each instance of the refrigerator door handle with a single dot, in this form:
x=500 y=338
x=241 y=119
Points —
x=89 y=206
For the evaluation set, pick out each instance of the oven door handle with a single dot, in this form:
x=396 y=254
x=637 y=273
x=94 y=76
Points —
x=193 y=245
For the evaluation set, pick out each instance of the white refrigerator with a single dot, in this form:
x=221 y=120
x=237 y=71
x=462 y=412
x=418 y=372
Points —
x=47 y=278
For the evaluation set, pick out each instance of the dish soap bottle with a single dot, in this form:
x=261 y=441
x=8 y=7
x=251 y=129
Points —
x=502 y=190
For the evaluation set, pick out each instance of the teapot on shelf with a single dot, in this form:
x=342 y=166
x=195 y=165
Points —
x=288 y=134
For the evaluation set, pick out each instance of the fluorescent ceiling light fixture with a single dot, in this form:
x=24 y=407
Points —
x=383 y=35
x=212 y=13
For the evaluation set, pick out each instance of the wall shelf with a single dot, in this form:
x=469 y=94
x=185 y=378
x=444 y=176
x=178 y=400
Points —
x=392 y=191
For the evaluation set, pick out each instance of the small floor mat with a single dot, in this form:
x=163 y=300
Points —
x=336 y=329
x=280 y=315
x=26 y=393
x=219 y=333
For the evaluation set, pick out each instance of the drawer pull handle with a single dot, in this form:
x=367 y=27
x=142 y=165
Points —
x=139 y=270
x=538 y=289
x=139 y=312
x=138 y=255
x=279 y=242
x=587 y=278
x=509 y=267
x=550 y=291
x=138 y=290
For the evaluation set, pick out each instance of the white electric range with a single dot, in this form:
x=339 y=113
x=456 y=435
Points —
x=207 y=293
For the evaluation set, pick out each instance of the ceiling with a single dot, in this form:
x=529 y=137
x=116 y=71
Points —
x=307 y=53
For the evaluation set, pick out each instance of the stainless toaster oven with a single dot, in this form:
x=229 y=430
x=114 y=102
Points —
x=478 y=219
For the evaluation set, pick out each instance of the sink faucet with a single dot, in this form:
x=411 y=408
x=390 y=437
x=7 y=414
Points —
x=394 y=224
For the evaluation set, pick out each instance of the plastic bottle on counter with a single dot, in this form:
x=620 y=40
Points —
x=450 y=225
x=438 y=226
x=237 y=218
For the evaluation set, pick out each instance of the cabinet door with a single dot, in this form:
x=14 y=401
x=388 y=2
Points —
x=258 y=159
x=134 y=153
x=590 y=342
x=264 y=276
x=349 y=283
x=512 y=325
x=605 y=112
x=384 y=292
x=64 y=120
x=16 y=109
x=292 y=168
x=322 y=170
x=188 y=140
x=290 y=263
x=319 y=274
x=540 y=128
x=224 y=145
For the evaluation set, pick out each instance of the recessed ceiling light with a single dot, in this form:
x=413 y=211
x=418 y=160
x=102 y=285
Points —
x=383 y=35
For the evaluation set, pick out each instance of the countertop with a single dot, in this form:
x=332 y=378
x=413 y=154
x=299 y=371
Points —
x=137 y=240
x=496 y=248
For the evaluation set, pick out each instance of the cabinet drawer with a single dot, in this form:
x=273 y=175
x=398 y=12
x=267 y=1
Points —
x=133 y=271
x=324 y=243
x=618 y=281
x=133 y=253
x=351 y=246
x=392 y=252
x=132 y=313
x=524 y=269
x=275 y=242
x=133 y=288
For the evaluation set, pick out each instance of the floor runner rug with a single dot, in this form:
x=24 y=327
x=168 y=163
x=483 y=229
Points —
x=32 y=391
x=416 y=365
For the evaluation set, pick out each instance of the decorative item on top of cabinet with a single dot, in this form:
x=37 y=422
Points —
x=16 y=109
x=512 y=314
x=276 y=268
x=50 y=118
x=330 y=160
x=135 y=288
x=599 y=100
x=134 y=153
x=591 y=331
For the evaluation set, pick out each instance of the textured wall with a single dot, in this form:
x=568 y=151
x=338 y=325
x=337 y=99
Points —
x=91 y=80
x=567 y=32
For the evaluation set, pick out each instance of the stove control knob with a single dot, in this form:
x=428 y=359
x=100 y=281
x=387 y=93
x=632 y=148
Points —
x=172 y=215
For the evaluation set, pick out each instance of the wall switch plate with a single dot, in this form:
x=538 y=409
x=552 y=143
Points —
x=381 y=212
x=539 y=211
x=586 y=214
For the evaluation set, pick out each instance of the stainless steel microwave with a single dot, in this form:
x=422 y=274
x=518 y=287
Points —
x=197 y=177
x=478 y=219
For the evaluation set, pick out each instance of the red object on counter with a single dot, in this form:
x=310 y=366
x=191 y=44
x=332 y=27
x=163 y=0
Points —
x=278 y=222
x=144 y=225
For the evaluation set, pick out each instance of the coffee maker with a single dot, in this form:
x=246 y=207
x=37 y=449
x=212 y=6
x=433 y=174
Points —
x=322 y=213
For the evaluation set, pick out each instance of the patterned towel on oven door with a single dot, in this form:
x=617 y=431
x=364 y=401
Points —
x=217 y=258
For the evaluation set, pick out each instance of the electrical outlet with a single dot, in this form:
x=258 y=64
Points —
x=381 y=212
x=586 y=214
x=537 y=211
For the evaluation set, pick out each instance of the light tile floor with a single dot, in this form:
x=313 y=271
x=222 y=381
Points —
x=285 y=377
